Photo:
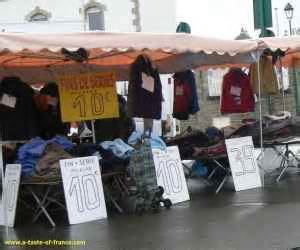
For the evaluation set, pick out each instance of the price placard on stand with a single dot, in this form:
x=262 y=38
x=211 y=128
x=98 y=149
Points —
x=243 y=163
x=88 y=96
x=83 y=189
x=12 y=183
x=170 y=175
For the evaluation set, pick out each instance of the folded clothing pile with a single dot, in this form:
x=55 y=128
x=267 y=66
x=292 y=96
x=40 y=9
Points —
x=187 y=143
x=155 y=141
x=113 y=155
x=30 y=153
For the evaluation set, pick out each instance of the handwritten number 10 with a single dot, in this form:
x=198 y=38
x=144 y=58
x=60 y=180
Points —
x=85 y=192
x=12 y=191
x=97 y=104
x=170 y=174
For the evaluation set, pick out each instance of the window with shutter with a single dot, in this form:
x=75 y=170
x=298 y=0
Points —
x=96 y=20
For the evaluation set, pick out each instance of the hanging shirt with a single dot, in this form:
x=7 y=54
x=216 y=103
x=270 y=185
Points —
x=268 y=77
x=185 y=95
x=237 y=95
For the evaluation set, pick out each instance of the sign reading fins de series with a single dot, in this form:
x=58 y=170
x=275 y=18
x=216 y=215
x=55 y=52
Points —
x=88 y=96
x=83 y=189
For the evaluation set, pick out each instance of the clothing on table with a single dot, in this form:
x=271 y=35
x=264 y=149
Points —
x=31 y=152
x=84 y=149
x=18 y=112
x=48 y=165
x=187 y=142
x=118 y=147
x=214 y=150
x=108 y=161
x=268 y=77
x=185 y=95
x=144 y=90
x=237 y=94
x=155 y=141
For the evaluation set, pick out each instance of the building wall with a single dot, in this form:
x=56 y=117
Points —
x=68 y=16
x=158 y=15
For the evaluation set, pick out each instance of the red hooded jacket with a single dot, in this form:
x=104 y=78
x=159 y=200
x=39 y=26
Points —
x=237 y=94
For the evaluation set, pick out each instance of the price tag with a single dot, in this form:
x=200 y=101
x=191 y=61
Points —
x=179 y=90
x=243 y=163
x=83 y=189
x=170 y=175
x=8 y=100
x=236 y=91
x=148 y=83
x=88 y=96
x=12 y=183
x=52 y=101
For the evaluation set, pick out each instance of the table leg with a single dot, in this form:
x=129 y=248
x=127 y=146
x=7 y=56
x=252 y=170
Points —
x=42 y=208
x=282 y=172
x=222 y=184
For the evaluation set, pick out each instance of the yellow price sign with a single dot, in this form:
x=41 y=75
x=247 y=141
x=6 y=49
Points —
x=88 y=96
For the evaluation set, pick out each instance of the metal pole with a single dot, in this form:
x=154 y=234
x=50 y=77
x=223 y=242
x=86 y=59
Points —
x=3 y=189
x=277 y=22
x=93 y=131
x=290 y=24
x=260 y=106
x=281 y=83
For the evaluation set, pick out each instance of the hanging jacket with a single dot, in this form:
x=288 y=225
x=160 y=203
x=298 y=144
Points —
x=144 y=100
x=50 y=115
x=185 y=95
x=20 y=120
x=268 y=77
x=237 y=95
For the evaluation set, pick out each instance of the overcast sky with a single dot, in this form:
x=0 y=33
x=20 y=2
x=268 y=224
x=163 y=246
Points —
x=225 y=18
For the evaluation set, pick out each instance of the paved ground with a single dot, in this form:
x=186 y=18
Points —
x=257 y=219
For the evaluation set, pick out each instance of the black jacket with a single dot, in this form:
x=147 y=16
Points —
x=141 y=102
x=21 y=122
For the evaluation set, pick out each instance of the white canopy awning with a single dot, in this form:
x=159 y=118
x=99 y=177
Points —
x=290 y=45
x=38 y=57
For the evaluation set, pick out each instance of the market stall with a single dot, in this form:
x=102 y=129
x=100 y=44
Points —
x=271 y=130
x=37 y=58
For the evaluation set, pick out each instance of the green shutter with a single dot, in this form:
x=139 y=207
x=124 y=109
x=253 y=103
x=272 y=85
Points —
x=262 y=14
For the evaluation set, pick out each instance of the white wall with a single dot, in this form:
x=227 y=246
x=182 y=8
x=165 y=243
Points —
x=158 y=15
x=67 y=15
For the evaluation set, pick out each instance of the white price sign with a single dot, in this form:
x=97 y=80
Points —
x=83 y=189
x=12 y=184
x=243 y=164
x=170 y=175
